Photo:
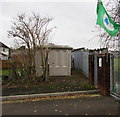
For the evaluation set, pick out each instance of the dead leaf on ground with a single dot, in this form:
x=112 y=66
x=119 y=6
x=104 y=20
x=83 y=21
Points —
x=74 y=105
x=56 y=110
x=88 y=106
x=66 y=114
x=35 y=111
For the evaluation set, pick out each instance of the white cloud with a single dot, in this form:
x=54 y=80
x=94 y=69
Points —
x=74 y=20
x=48 y=0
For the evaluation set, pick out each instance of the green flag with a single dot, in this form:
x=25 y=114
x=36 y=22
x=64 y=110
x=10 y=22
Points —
x=105 y=21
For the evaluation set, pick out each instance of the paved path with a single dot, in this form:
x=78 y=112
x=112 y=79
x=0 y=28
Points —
x=99 y=105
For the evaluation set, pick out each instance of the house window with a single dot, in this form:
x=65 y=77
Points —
x=3 y=49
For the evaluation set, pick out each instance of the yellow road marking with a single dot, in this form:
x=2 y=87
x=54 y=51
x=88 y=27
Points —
x=50 y=98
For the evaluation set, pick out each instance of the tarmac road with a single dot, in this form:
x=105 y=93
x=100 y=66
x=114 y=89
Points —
x=100 y=105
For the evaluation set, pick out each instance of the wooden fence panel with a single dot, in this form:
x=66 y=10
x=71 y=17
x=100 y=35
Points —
x=5 y=64
x=91 y=69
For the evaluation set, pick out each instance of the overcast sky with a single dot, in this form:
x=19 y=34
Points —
x=75 y=21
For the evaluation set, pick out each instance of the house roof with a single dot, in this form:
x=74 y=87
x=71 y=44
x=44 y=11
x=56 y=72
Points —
x=60 y=47
x=3 y=54
x=78 y=49
x=3 y=45
x=52 y=46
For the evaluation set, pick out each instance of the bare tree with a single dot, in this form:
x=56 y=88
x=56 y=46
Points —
x=34 y=31
x=107 y=41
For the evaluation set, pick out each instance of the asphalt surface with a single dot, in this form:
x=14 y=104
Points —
x=99 y=105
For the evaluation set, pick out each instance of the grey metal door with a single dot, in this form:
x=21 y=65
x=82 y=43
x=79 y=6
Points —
x=95 y=70
x=116 y=73
x=60 y=63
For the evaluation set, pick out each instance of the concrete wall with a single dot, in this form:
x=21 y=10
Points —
x=59 y=62
x=80 y=58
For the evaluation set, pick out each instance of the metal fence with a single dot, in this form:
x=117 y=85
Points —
x=115 y=73
x=80 y=61
x=102 y=68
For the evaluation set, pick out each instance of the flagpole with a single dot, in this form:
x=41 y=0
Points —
x=98 y=2
x=100 y=37
x=119 y=29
